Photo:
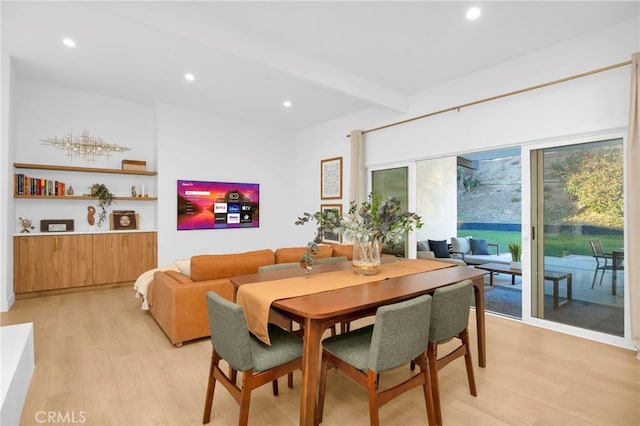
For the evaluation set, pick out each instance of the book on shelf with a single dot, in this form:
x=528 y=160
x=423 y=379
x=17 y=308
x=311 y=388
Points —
x=37 y=187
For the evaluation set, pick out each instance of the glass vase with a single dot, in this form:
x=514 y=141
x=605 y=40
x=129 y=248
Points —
x=366 y=257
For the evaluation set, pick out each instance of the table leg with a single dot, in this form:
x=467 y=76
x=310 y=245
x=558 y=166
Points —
x=569 y=282
x=556 y=290
x=310 y=362
x=478 y=288
x=491 y=278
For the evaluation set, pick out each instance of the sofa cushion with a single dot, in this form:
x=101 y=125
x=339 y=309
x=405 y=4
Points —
x=461 y=244
x=439 y=248
x=479 y=246
x=184 y=266
x=423 y=245
x=340 y=250
x=294 y=254
x=215 y=266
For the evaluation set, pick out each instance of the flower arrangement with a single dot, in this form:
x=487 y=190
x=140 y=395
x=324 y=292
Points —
x=367 y=225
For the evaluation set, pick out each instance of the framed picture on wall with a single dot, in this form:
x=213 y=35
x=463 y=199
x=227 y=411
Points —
x=331 y=179
x=330 y=237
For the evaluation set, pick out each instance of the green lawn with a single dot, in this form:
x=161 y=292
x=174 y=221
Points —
x=555 y=245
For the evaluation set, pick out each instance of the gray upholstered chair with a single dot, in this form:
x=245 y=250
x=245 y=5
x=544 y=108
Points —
x=258 y=362
x=324 y=260
x=399 y=335
x=449 y=319
x=278 y=266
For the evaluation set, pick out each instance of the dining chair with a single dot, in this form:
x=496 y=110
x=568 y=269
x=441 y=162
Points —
x=399 y=334
x=336 y=259
x=449 y=320
x=258 y=362
x=602 y=260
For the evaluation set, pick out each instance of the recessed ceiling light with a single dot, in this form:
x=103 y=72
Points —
x=189 y=77
x=473 y=13
x=287 y=104
x=68 y=42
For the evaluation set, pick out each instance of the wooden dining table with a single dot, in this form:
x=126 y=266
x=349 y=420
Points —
x=319 y=311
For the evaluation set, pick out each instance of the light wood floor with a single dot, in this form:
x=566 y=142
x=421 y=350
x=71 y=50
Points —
x=103 y=360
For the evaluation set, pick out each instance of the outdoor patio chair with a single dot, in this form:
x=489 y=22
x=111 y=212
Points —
x=602 y=260
x=258 y=362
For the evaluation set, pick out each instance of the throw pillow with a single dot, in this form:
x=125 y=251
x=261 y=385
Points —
x=184 y=266
x=439 y=248
x=422 y=246
x=479 y=246
x=461 y=245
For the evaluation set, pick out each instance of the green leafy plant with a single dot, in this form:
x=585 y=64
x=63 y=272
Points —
x=105 y=198
x=516 y=251
x=371 y=220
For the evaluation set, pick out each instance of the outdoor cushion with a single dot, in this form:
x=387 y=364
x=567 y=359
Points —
x=479 y=246
x=439 y=248
x=461 y=245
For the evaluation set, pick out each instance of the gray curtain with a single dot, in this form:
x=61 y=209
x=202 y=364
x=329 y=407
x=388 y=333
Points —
x=632 y=266
x=358 y=178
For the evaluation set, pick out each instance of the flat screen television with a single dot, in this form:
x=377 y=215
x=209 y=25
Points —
x=218 y=205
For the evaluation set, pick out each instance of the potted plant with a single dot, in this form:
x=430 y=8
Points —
x=367 y=225
x=105 y=198
x=516 y=255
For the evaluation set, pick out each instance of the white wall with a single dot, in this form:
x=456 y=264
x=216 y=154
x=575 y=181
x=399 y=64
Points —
x=43 y=111
x=199 y=146
x=586 y=105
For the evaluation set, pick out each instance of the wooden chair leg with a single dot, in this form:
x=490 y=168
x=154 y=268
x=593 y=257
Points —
x=245 y=397
x=372 y=388
x=274 y=385
x=464 y=336
x=290 y=380
x=432 y=355
x=323 y=387
x=211 y=385
x=427 y=389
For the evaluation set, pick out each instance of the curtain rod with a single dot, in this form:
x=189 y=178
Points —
x=504 y=95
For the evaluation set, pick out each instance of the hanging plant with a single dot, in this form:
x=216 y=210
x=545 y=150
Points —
x=105 y=198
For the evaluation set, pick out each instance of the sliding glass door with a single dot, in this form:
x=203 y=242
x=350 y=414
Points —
x=577 y=261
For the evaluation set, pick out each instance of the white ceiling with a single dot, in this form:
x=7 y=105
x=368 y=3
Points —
x=328 y=58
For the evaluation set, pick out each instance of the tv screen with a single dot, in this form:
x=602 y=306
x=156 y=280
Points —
x=217 y=205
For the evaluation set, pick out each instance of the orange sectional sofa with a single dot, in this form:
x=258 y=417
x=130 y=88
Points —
x=177 y=300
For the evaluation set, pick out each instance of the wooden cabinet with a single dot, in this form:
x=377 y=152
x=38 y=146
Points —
x=123 y=257
x=54 y=262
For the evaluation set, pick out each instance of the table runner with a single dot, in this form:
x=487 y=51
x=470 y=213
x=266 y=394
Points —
x=256 y=298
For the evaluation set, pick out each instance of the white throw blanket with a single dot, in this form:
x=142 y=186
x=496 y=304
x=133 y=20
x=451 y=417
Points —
x=143 y=281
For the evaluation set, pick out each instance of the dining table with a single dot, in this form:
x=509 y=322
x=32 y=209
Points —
x=320 y=310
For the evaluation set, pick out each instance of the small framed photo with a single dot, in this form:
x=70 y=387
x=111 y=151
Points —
x=330 y=237
x=331 y=179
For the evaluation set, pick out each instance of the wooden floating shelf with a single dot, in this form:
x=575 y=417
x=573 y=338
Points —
x=83 y=169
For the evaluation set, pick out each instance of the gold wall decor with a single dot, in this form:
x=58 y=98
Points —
x=85 y=146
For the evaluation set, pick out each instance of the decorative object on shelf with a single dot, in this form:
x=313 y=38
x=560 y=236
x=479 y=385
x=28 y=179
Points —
x=134 y=194
x=134 y=165
x=516 y=255
x=331 y=179
x=91 y=211
x=27 y=225
x=85 y=146
x=368 y=225
x=105 y=198
x=56 y=225
x=70 y=190
x=124 y=219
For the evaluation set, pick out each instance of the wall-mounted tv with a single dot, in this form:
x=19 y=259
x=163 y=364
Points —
x=217 y=205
